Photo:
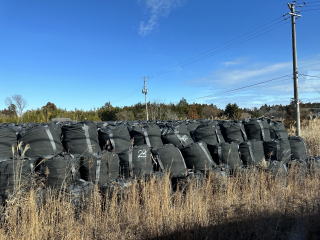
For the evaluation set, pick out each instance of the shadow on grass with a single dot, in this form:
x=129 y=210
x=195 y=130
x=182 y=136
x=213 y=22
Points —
x=265 y=227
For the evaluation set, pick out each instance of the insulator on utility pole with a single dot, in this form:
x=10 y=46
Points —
x=145 y=92
x=294 y=15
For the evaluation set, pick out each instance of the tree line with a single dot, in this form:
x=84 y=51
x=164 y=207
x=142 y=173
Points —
x=15 y=111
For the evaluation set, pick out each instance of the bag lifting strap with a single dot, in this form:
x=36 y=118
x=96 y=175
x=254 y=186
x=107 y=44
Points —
x=218 y=138
x=206 y=153
x=262 y=130
x=244 y=135
x=220 y=154
x=146 y=136
x=130 y=162
x=228 y=156
x=86 y=133
x=113 y=144
x=184 y=164
x=98 y=168
x=278 y=156
x=251 y=152
x=160 y=162
x=53 y=144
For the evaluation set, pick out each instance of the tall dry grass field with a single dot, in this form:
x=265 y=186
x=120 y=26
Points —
x=251 y=205
x=311 y=133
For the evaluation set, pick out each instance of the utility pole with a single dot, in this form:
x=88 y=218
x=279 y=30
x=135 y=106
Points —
x=293 y=14
x=145 y=92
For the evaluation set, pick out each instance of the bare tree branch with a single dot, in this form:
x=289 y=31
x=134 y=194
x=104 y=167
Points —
x=8 y=101
x=18 y=101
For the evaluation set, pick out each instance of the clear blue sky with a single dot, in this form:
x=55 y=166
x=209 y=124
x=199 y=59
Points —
x=81 y=54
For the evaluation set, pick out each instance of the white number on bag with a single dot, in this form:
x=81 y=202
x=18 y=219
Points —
x=142 y=153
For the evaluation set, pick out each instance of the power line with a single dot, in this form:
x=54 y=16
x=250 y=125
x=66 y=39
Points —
x=310 y=6
x=305 y=79
x=256 y=84
x=240 y=39
x=247 y=86
x=310 y=65
x=310 y=3
x=306 y=75
x=311 y=9
x=247 y=36
x=307 y=2
x=293 y=14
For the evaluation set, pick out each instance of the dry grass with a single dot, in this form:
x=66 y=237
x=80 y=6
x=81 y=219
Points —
x=311 y=133
x=252 y=205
